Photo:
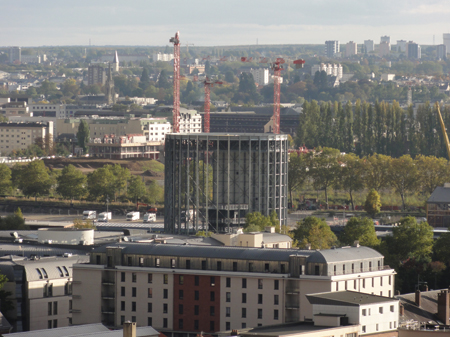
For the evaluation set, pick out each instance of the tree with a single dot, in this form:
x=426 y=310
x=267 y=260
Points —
x=70 y=87
x=324 y=167
x=145 y=79
x=360 y=229
x=71 y=183
x=252 y=228
x=12 y=222
x=5 y=179
x=121 y=176
x=351 y=177
x=316 y=232
x=80 y=224
x=83 y=135
x=433 y=172
x=163 y=81
x=100 y=184
x=441 y=248
x=34 y=179
x=136 y=188
x=411 y=239
x=376 y=169
x=297 y=172
x=403 y=175
x=373 y=204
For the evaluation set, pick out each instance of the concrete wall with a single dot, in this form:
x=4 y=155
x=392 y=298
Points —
x=69 y=237
x=87 y=292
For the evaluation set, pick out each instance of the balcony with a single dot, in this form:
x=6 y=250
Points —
x=108 y=310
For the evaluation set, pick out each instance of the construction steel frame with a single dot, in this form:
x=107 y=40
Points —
x=176 y=82
x=212 y=180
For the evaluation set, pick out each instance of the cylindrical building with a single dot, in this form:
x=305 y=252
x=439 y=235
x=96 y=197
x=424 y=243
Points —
x=212 y=180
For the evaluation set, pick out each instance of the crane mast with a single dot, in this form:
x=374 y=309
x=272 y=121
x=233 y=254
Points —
x=444 y=132
x=208 y=84
x=176 y=82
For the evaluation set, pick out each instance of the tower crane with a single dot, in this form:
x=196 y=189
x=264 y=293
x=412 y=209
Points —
x=208 y=84
x=444 y=132
x=176 y=82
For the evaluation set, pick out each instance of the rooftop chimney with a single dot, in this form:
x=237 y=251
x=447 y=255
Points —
x=402 y=310
x=443 y=307
x=356 y=243
x=425 y=287
x=308 y=246
x=397 y=292
x=129 y=329
x=418 y=298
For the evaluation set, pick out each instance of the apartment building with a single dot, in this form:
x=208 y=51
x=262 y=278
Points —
x=368 y=46
x=157 y=129
x=49 y=110
x=41 y=290
x=384 y=48
x=190 y=121
x=15 y=55
x=128 y=146
x=261 y=75
x=332 y=48
x=351 y=48
x=162 y=57
x=96 y=75
x=184 y=288
x=19 y=109
x=441 y=50
x=19 y=136
x=413 y=50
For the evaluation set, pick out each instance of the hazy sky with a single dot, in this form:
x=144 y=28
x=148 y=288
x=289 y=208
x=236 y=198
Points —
x=220 y=22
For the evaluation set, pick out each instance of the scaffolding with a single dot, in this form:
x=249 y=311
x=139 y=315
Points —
x=212 y=180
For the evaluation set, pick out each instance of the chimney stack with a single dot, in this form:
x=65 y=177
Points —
x=425 y=287
x=443 y=307
x=397 y=292
x=418 y=298
x=129 y=329
x=402 y=310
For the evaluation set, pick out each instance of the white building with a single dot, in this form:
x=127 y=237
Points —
x=441 y=51
x=401 y=46
x=330 y=69
x=384 y=49
x=385 y=39
x=387 y=77
x=31 y=59
x=331 y=48
x=157 y=129
x=375 y=314
x=190 y=121
x=59 y=110
x=162 y=57
x=368 y=46
x=15 y=54
x=261 y=76
x=351 y=48
x=446 y=41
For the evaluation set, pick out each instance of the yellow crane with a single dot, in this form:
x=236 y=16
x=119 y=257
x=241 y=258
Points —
x=444 y=132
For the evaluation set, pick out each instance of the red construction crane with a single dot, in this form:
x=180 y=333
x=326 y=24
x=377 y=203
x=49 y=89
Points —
x=208 y=84
x=176 y=82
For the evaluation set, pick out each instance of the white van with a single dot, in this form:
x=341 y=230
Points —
x=104 y=216
x=149 y=217
x=133 y=216
x=89 y=215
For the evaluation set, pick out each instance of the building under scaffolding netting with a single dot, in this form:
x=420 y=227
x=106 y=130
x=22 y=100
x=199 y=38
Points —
x=212 y=180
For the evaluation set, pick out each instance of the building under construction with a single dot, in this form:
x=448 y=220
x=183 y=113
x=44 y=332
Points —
x=212 y=180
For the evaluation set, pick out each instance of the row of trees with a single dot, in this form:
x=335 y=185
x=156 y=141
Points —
x=365 y=129
x=111 y=182
x=327 y=168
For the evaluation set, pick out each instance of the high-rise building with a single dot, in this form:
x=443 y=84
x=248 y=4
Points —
x=385 y=39
x=15 y=54
x=368 y=46
x=441 y=51
x=447 y=41
x=351 y=48
x=261 y=75
x=96 y=75
x=384 y=49
x=414 y=50
x=115 y=63
x=331 y=48
x=401 y=46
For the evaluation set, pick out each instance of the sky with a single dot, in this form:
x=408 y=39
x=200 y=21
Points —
x=220 y=22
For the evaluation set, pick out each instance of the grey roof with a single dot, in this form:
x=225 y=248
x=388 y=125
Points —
x=344 y=254
x=94 y=330
x=238 y=253
x=426 y=311
x=440 y=194
x=34 y=249
x=347 y=298
x=275 y=237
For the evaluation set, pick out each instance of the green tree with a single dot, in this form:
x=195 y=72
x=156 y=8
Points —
x=257 y=219
x=71 y=183
x=12 y=222
x=403 y=175
x=360 y=229
x=441 y=248
x=83 y=135
x=252 y=228
x=18 y=213
x=297 y=172
x=316 y=232
x=432 y=172
x=351 y=177
x=5 y=179
x=100 y=184
x=70 y=87
x=121 y=176
x=163 y=80
x=80 y=224
x=34 y=179
x=373 y=204
x=377 y=171
x=136 y=188
x=411 y=239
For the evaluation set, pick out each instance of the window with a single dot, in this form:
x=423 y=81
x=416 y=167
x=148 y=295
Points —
x=196 y=295
x=133 y=306
x=219 y=265
x=60 y=271
x=203 y=264
x=70 y=305
x=166 y=279
x=276 y=284
x=361 y=267
x=363 y=328
x=370 y=266
x=244 y=325
x=180 y=294
x=316 y=270
x=212 y=310
x=275 y=314
x=133 y=277
x=364 y=312
x=227 y=326
x=172 y=263
x=244 y=298
x=235 y=266
x=44 y=272
x=149 y=307
x=260 y=283
x=390 y=325
x=211 y=326
x=122 y=320
x=250 y=266
x=165 y=293
x=228 y=282
x=266 y=267
x=180 y=323
x=49 y=324
x=149 y=321
x=283 y=269
x=150 y=278
x=165 y=308
x=353 y=267
x=180 y=309
x=133 y=292
x=196 y=280
x=164 y=322
x=392 y=308
x=244 y=313
x=390 y=281
x=196 y=309
x=50 y=290
x=212 y=296
x=212 y=281
x=227 y=312
x=343 y=269
x=55 y=323
x=373 y=281
x=130 y=261
x=364 y=282
x=376 y=327
x=188 y=264
x=228 y=297
x=380 y=310
x=345 y=285
x=259 y=313
x=50 y=310
x=141 y=262
x=260 y=299
x=122 y=305
x=196 y=324
x=150 y=293
x=181 y=280
x=157 y=262
x=275 y=299
x=395 y=324
x=381 y=280
x=244 y=283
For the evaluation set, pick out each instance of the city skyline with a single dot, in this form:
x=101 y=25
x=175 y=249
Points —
x=151 y=23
